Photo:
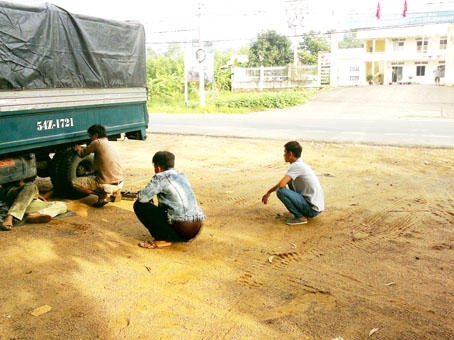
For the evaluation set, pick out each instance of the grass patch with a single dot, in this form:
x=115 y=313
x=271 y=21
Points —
x=232 y=102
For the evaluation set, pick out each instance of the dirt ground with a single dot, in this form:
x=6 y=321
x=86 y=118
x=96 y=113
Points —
x=378 y=263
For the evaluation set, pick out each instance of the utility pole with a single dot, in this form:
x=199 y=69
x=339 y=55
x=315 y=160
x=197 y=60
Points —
x=295 y=10
x=201 y=59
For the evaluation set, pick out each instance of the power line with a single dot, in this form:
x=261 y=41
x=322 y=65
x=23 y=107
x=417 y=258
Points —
x=177 y=28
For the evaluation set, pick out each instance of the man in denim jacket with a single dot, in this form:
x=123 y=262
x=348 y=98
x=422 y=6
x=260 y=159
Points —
x=177 y=217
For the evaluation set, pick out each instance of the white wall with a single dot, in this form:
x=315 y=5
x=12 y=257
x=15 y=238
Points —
x=409 y=58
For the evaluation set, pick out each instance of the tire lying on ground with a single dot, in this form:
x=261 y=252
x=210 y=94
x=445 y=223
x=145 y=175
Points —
x=67 y=165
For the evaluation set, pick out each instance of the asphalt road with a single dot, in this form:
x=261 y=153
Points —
x=407 y=115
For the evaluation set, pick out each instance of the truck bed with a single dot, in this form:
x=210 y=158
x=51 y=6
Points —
x=61 y=73
x=43 y=118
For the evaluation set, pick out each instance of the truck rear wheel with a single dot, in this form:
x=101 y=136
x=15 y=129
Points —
x=54 y=172
x=68 y=166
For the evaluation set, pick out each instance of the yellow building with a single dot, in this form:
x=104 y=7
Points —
x=401 y=55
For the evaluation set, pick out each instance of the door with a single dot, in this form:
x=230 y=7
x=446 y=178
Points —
x=397 y=74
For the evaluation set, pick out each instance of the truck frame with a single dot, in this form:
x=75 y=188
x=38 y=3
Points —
x=60 y=73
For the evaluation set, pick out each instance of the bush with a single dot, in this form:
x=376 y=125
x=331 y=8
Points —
x=263 y=100
x=229 y=102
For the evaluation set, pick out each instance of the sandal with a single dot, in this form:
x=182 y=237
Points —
x=154 y=244
x=162 y=244
x=100 y=204
x=6 y=227
x=147 y=244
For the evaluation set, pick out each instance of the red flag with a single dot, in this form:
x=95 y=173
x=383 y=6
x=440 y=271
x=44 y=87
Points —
x=377 y=14
x=404 y=13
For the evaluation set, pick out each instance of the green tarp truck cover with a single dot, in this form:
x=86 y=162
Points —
x=43 y=47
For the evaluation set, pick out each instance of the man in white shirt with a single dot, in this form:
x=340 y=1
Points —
x=437 y=76
x=304 y=196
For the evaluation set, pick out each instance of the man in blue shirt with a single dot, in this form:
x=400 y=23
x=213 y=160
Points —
x=304 y=196
x=177 y=217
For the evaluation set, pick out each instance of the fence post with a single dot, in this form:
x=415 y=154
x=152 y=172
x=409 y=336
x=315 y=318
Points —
x=232 y=78
x=262 y=74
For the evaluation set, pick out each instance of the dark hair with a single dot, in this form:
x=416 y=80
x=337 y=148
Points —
x=294 y=147
x=164 y=159
x=97 y=129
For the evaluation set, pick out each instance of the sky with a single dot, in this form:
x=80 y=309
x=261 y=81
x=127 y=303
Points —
x=237 y=22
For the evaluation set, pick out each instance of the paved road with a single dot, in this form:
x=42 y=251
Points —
x=392 y=115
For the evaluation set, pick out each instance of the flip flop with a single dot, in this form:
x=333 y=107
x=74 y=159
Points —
x=154 y=244
x=6 y=227
x=162 y=244
x=100 y=204
x=147 y=245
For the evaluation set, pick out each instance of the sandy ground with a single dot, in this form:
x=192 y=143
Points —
x=378 y=263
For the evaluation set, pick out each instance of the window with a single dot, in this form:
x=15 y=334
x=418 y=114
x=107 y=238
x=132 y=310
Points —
x=443 y=43
x=398 y=44
x=420 y=71
x=419 y=45
x=354 y=78
x=354 y=68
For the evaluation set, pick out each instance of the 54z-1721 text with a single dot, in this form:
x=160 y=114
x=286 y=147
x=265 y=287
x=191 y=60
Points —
x=54 y=124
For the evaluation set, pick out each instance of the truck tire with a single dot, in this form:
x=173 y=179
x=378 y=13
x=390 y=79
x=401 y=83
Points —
x=43 y=165
x=69 y=167
x=54 y=172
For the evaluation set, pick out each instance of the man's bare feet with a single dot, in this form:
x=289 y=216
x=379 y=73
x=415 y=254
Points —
x=47 y=195
x=38 y=218
x=7 y=224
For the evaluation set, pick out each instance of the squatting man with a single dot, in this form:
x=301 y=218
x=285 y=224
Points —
x=106 y=181
x=299 y=189
x=177 y=216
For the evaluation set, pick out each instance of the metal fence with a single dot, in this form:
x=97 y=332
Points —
x=267 y=78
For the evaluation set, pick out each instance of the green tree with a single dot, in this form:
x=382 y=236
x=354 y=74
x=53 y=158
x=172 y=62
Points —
x=165 y=73
x=244 y=50
x=270 y=49
x=350 y=41
x=223 y=67
x=313 y=42
x=151 y=53
x=174 y=51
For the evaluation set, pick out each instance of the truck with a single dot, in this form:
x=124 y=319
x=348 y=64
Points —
x=60 y=73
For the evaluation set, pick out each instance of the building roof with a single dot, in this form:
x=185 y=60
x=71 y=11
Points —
x=402 y=32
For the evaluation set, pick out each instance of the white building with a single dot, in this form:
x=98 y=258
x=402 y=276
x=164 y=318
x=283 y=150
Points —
x=396 y=56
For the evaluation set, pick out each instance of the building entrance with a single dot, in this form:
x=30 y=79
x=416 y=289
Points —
x=397 y=74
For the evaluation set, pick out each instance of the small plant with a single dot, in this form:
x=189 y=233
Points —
x=370 y=78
